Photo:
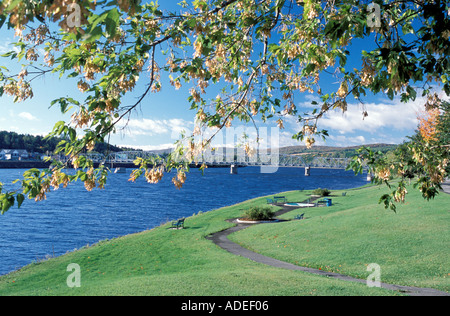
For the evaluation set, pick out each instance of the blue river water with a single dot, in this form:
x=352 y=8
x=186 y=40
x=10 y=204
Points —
x=72 y=218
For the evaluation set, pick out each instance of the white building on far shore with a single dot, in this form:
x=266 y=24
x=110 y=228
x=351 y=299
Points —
x=14 y=154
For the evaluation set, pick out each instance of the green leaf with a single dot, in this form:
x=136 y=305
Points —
x=72 y=134
x=82 y=176
x=112 y=22
x=59 y=126
x=308 y=69
x=94 y=35
x=20 y=198
x=7 y=202
x=412 y=92
x=2 y=20
x=7 y=54
x=12 y=5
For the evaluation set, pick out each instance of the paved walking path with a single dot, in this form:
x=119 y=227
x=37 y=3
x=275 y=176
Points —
x=446 y=186
x=221 y=239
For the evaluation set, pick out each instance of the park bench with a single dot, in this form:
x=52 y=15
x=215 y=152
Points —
x=178 y=223
x=277 y=199
x=326 y=202
x=299 y=216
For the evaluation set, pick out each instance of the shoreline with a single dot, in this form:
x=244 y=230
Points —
x=48 y=257
x=402 y=289
x=159 y=226
x=46 y=165
x=24 y=164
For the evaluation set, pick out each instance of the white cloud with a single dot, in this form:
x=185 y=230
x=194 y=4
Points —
x=345 y=141
x=395 y=116
x=27 y=116
x=387 y=122
x=7 y=46
x=149 y=127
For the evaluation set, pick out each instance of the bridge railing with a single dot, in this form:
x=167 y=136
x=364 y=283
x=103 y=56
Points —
x=235 y=157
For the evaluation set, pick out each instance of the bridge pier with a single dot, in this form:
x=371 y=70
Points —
x=307 y=171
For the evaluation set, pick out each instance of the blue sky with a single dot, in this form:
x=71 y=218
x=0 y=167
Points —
x=162 y=116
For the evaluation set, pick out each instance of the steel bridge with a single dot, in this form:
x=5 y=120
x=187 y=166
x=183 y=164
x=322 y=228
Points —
x=227 y=159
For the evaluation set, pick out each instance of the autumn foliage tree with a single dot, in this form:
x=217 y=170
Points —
x=428 y=123
x=263 y=53
x=425 y=157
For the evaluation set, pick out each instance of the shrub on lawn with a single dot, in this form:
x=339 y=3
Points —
x=321 y=192
x=258 y=213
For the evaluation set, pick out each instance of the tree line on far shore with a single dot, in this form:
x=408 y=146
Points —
x=41 y=144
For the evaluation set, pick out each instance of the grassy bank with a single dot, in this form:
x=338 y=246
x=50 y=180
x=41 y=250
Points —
x=182 y=262
x=410 y=246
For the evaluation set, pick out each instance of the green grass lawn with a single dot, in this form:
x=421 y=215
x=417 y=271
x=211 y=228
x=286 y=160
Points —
x=410 y=246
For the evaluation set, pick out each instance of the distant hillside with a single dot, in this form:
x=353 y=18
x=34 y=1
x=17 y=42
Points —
x=334 y=152
x=324 y=151
x=40 y=144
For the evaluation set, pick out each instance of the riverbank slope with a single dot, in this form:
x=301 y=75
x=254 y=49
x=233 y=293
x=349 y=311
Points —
x=163 y=261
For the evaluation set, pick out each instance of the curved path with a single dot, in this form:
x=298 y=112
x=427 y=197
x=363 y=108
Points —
x=221 y=239
x=446 y=186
